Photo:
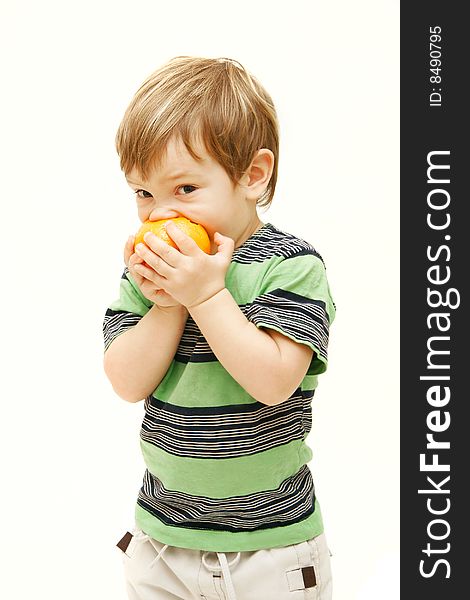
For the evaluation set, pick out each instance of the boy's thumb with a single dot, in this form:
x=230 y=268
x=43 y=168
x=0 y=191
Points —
x=225 y=245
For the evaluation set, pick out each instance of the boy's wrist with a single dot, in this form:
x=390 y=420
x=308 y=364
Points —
x=177 y=309
x=208 y=301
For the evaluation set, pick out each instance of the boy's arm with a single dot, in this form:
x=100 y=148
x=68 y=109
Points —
x=140 y=340
x=137 y=360
x=268 y=365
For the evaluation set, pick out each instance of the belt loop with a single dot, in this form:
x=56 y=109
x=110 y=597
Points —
x=303 y=577
x=304 y=554
x=307 y=565
x=124 y=542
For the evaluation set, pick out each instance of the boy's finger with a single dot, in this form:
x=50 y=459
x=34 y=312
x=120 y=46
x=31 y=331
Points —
x=128 y=249
x=138 y=278
x=135 y=258
x=150 y=275
x=186 y=244
x=225 y=245
x=169 y=254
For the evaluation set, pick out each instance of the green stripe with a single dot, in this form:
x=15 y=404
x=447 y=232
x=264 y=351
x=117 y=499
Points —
x=226 y=541
x=299 y=274
x=244 y=280
x=226 y=477
x=131 y=298
x=220 y=388
x=203 y=384
x=309 y=382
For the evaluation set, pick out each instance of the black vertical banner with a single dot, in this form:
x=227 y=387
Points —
x=435 y=268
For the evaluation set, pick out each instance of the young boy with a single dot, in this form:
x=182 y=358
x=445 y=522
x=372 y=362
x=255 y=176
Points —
x=225 y=349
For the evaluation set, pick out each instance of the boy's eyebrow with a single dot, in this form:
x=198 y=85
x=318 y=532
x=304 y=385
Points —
x=175 y=175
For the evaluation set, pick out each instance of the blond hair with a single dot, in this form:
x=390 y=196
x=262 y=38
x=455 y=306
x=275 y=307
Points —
x=212 y=100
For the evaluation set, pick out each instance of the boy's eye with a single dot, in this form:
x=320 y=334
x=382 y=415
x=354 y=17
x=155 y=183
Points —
x=182 y=187
x=137 y=193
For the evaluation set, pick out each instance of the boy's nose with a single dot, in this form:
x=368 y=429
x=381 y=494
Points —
x=159 y=214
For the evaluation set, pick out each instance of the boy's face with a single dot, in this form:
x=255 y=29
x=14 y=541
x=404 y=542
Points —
x=203 y=193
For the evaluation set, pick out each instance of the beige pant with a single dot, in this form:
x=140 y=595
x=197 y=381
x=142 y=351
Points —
x=156 y=571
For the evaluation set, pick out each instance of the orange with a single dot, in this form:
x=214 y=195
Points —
x=193 y=230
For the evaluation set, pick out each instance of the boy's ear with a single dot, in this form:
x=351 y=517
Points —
x=257 y=176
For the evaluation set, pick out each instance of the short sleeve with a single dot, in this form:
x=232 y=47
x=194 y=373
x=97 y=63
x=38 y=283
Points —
x=125 y=312
x=296 y=301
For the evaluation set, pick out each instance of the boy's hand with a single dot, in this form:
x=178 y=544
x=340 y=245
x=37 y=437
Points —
x=189 y=275
x=143 y=276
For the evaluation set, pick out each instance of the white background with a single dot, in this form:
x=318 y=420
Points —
x=69 y=446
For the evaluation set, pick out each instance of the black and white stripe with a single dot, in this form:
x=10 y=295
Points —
x=193 y=345
x=303 y=318
x=226 y=431
x=116 y=322
x=270 y=241
x=291 y=502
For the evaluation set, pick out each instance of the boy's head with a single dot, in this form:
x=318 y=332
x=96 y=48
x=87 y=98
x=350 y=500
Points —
x=212 y=103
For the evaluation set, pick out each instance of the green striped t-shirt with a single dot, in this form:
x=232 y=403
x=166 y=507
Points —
x=224 y=472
